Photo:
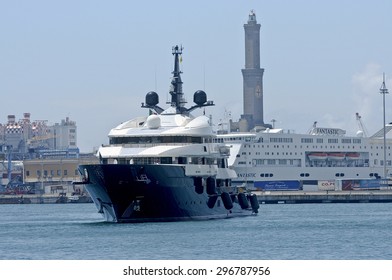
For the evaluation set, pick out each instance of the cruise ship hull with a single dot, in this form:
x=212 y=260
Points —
x=302 y=178
x=152 y=193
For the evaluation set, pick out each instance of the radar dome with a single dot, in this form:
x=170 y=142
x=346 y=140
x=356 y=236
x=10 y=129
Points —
x=153 y=122
x=200 y=97
x=152 y=98
x=360 y=133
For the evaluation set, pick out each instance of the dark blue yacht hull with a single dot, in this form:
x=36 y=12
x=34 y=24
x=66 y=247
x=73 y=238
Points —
x=143 y=193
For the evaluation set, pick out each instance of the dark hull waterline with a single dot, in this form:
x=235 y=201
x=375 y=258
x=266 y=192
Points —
x=156 y=193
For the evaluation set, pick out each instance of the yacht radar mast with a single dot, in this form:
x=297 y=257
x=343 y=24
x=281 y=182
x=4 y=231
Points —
x=177 y=99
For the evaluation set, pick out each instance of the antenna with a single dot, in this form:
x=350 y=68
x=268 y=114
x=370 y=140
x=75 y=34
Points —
x=204 y=76
x=155 y=78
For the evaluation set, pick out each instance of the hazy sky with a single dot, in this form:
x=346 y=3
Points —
x=94 y=61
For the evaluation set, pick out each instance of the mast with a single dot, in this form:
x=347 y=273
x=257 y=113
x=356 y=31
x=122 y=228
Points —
x=177 y=99
x=177 y=96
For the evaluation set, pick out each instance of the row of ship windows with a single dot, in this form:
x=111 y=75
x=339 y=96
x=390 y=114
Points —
x=336 y=175
x=51 y=173
x=269 y=175
x=272 y=153
x=297 y=162
x=330 y=141
x=222 y=140
x=158 y=139
x=289 y=153
x=307 y=175
x=221 y=162
x=290 y=140
x=290 y=162
x=315 y=147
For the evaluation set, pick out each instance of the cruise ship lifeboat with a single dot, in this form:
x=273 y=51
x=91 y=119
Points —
x=317 y=156
x=352 y=156
x=336 y=156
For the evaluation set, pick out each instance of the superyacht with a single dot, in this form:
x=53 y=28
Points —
x=166 y=166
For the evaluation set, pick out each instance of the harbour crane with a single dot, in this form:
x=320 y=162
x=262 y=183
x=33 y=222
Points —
x=360 y=125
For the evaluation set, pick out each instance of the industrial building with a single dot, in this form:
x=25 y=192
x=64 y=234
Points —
x=27 y=139
x=34 y=153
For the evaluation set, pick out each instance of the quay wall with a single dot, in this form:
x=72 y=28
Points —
x=267 y=197
x=324 y=196
x=43 y=199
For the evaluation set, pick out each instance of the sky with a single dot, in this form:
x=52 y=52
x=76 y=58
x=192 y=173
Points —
x=94 y=61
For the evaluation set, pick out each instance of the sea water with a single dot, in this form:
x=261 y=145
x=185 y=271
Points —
x=279 y=231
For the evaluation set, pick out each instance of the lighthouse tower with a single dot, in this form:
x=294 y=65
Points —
x=252 y=117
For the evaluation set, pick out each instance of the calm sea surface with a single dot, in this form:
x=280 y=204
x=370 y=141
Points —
x=284 y=231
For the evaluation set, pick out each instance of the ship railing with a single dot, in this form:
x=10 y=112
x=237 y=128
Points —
x=223 y=150
x=146 y=145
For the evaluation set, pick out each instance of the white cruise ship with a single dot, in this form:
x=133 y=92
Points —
x=324 y=159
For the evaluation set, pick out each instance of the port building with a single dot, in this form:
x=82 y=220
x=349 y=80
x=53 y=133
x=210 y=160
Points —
x=27 y=139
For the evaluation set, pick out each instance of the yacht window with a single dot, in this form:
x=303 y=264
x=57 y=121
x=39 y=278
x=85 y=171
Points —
x=157 y=139
x=166 y=160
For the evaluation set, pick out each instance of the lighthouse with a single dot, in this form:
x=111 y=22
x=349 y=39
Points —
x=252 y=74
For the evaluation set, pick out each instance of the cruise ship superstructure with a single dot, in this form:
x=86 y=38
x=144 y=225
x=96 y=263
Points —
x=274 y=159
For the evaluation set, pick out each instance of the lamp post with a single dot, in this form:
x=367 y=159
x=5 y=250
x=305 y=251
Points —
x=383 y=91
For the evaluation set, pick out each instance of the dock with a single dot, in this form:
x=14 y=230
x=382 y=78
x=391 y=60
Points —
x=275 y=197
x=43 y=199
x=266 y=197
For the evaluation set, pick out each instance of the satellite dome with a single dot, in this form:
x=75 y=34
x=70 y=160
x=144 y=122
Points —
x=153 y=122
x=152 y=98
x=200 y=97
